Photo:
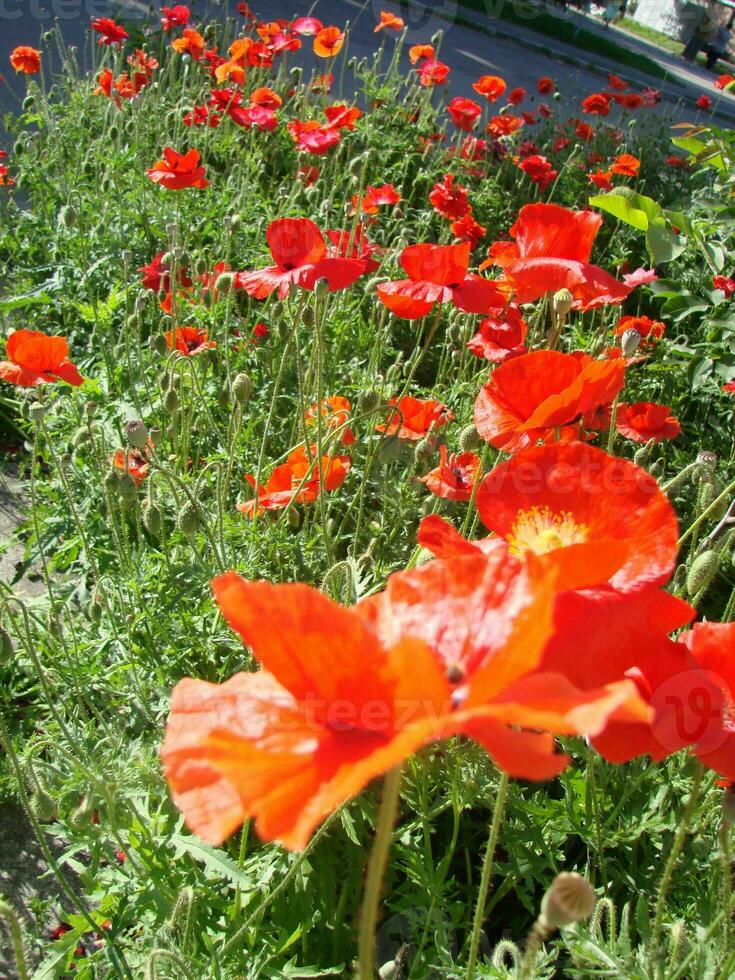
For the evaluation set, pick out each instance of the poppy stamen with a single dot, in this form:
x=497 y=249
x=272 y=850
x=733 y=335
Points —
x=541 y=531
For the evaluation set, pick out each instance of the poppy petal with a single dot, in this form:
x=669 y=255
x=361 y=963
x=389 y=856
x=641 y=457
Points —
x=294 y=242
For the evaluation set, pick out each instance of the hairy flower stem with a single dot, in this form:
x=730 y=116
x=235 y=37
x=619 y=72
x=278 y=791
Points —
x=10 y=918
x=726 y=881
x=530 y=952
x=674 y=853
x=487 y=867
x=375 y=873
x=708 y=512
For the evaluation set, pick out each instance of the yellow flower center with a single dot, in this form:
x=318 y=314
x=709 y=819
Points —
x=541 y=531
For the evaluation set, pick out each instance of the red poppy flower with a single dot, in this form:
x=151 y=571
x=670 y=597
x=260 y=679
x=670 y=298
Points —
x=111 y=32
x=724 y=283
x=177 y=171
x=312 y=137
x=539 y=170
x=551 y=252
x=307 y=26
x=455 y=476
x=131 y=461
x=418 y=51
x=433 y=73
x=560 y=144
x=201 y=115
x=300 y=256
x=516 y=95
x=178 y=16
x=646 y=420
x=327 y=711
x=260 y=332
x=598 y=518
x=390 y=21
x=157 y=276
x=626 y=164
x=650 y=330
x=712 y=647
x=335 y=414
x=675 y=161
x=191 y=42
x=255 y=117
x=266 y=98
x=504 y=125
x=473 y=148
x=615 y=82
x=501 y=335
x=491 y=86
x=353 y=244
x=450 y=200
x=584 y=132
x=342 y=116
x=298 y=480
x=545 y=85
x=597 y=104
x=375 y=198
x=469 y=230
x=464 y=113
x=188 y=340
x=438 y=274
x=34 y=358
x=601 y=179
x=414 y=418
x=528 y=397
x=328 y=42
x=5 y=181
x=26 y=59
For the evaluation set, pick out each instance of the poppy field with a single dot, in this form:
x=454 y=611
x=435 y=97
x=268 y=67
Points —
x=377 y=446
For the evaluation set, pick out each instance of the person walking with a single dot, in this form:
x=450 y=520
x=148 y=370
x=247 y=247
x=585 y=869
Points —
x=718 y=47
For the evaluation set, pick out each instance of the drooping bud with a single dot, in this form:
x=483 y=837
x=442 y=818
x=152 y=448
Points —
x=41 y=805
x=81 y=816
x=136 y=434
x=159 y=345
x=90 y=409
x=701 y=571
x=294 y=518
x=368 y=401
x=630 y=342
x=112 y=481
x=37 y=411
x=307 y=317
x=339 y=583
x=152 y=518
x=469 y=439
x=189 y=520
x=6 y=647
x=156 y=435
x=127 y=489
x=569 y=899
x=170 y=400
x=563 y=300
x=424 y=450
x=711 y=491
x=321 y=289
x=242 y=388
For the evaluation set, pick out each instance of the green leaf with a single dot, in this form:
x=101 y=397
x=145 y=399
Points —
x=215 y=861
x=634 y=209
x=39 y=297
x=662 y=243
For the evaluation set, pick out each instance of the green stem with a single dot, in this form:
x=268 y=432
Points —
x=8 y=915
x=487 y=867
x=376 y=870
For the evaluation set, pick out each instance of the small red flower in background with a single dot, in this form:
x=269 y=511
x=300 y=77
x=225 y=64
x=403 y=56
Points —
x=455 y=476
x=157 y=276
x=298 y=480
x=353 y=244
x=261 y=331
x=597 y=104
x=328 y=42
x=529 y=397
x=111 y=32
x=35 y=358
x=26 y=59
x=450 y=200
x=651 y=97
x=375 y=198
x=642 y=421
x=419 y=51
x=584 y=132
x=676 y=161
x=177 y=171
x=202 y=115
x=438 y=274
x=415 y=418
x=255 y=117
x=189 y=340
x=501 y=336
x=722 y=81
x=539 y=170
x=390 y=21
x=491 y=86
x=433 y=73
x=300 y=253
x=630 y=100
x=626 y=165
x=614 y=81
x=58 y=931
x=468 y=230
x=5 y=181
x=516 y=95
x=504 y=125
x=725 y=284
x=601 y=179
x=191 y=42
x=704 y=102
x=729 y=387
x=342 y=116
x=335 y=414
x=650 y=330
x=132 y=461
x=313 y=137
x=177 y=16
x=307 y=26
x=464 y=113
x=545 y=85
x=121 y=856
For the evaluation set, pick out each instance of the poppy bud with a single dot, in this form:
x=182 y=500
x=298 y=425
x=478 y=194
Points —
x=707 y=460
x=569 y=899
x=368 y=401
x=141 y=301
x=65 y=460
x=454 y=333
x=711 y=490
x=112 y=481
x=37 y=411
x=170 y=400
x=701 y=571
x=424 y=450
x=19 y=148
x=680 y=577
x=127 y=256
x=136 y=434
x=152 y=518
x=6 y=647
x=242 y=388
x=159 y=345
x=41 y=805
x=339 y=584
x=127 y=490
x=728 y=805
x=656 y=467
x=81 y=437
x=321 y=288
x=156 y=435
x=67 y=216
x=563 y=300
x=469 y=439
x=90 y=409
x=390 y=450
x=94 y=609
x=642 y=455
x=294 y=519
x=28 y=102
x=189 y=520
x=82 y=815
x=629 y=342
x=436 y=38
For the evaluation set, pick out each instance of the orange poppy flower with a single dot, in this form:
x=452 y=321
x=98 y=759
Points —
x=601 y=179
x=391 y=21
x=626 y=165
x=599 y=518
x=650 y=330
x=438 y=274
x=342 y=116
x=335 y=412
x=131 y=461
x=34 y=358
x=468 y=230
x=551 y=251
x=266 y=98
x=345 y=694
x=528 y=397
x=643 y=421
x=455 y=476
x=712 y=647
x=191 y=42
x=374 y=198
x=504 y=125
x=177 y=171
x=189 y=340
x=26 y=59
x=419 y=51
x=491 y=86
x=415 y=418
x=298 y=479
x=328 y=42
